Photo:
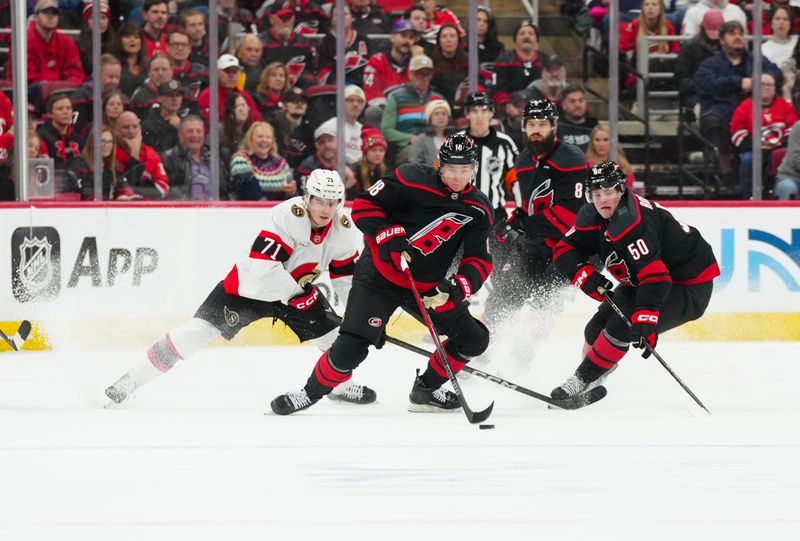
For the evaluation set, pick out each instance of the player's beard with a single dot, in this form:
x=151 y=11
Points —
x=543 y=147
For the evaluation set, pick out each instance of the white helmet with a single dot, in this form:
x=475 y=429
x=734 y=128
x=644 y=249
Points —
x=325 y=184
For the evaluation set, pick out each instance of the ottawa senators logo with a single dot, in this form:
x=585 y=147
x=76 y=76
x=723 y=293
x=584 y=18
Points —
x=298 y=211
x=618 y=268
x=345 y=221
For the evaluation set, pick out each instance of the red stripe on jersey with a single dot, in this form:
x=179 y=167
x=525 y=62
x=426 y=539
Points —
x=655 y=271
x=523 y=169
x=271 y=247
x=484 y=267
x=418 y=186
x=561 y=248
x=590 y=228
x=634 y=224
x=390 y=272
x=578 y=168
x=328 y=375
x=364 y=208
x=708 y=274
x=561 y=218
x=489 y=214
x=343 y=267
x=231 y=282
x=302 y=270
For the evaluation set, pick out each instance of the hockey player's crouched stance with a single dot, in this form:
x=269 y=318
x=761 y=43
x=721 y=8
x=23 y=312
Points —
x=302 y=237
x=425 y=215
x=665 y=270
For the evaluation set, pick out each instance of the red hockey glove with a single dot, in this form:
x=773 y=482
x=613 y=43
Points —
x=393 y=244
x=307 y=299
x=644 y=330
x=590 y=281
x=448 y=294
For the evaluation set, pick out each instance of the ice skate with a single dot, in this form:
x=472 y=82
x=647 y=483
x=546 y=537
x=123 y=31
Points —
x=575 y=385
x=120 y=390
x=424 y=399
x=291 y=402
x=353 y=392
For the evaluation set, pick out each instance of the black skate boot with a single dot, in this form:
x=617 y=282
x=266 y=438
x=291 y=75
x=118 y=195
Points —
x=354 y=393
x=424 y=399
x=292 y=402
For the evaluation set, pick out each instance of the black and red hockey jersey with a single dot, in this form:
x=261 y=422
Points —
x=551 y=189
x=642 y=245
x=437 y=221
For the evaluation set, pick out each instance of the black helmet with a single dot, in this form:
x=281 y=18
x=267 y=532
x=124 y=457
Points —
x=458 y=149
x=477 y=99
x=605 y=175
x=540 y=109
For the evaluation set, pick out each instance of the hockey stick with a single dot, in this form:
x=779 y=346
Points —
x=650 y=348
x=572 y=403
x=472 y=417
x=18 y=340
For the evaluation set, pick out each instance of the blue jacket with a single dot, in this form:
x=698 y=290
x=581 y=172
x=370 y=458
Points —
x=719 y=85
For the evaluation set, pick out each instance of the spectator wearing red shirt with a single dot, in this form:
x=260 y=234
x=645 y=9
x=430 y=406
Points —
x=52 y=56
x=228 y=69
x=386 y=72
x=651 y=22
x=139 y=165
x=438 y=16
x=155 y=19
x=777 y=118
x=7 y=189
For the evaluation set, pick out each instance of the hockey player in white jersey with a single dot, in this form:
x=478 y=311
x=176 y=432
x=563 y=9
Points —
x=302 y=237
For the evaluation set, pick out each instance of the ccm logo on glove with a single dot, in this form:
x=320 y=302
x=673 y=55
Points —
x=645 y=317
x=306 y=299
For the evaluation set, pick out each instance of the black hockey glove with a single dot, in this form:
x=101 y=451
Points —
x=591 y=282
x=448 y=294
x=509 y=231
x=644 y=330
x=393 y=244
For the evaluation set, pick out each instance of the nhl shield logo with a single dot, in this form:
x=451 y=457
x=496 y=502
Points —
x=36 y=263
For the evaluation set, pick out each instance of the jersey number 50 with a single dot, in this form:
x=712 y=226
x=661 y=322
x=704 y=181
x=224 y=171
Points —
x=638 y=249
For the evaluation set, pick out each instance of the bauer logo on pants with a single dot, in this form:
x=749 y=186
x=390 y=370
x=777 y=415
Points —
x=35 y=263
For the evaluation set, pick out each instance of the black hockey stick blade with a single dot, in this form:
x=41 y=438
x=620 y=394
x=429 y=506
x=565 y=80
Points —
x=473 y=417
x=586 y=399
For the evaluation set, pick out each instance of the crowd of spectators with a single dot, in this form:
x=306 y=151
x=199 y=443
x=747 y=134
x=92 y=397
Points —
x=406 y=69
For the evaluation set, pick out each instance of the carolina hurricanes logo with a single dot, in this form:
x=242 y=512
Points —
x=541 y=198
x=438 y=232
x=295 y=67
x=618 y=268
x=375 y=322
x=354 y=60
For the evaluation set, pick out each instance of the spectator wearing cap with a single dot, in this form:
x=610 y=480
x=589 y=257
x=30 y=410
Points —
x=693 y=53
x=722 y=81
x=156 y=13
x=294 y=131
x=651 y=22
x=192 y=75
x=576 y=124
x=108 y=35
x=193 y=22
x=324 y=157
x=489 y=45
x=250 y=53
x=368 y=18
x=228 y=72
x=130 y=51
x=138 y=164
x=58 y=138
x=438 y=16
x=160 y=128
x=450 y=58
x=52 y=56
x=694 y=15
x=404 y=116
x=353 y=107
x=282 y=44
x=83 y=98
x=371 y=167
x=159 y=71
x=552 y=83
x=258 y=172
x=271 y=88
x=512 y=121
x=519 y=67
x=307 y=14
x=357 y=51
x=188 y=164
x=425 y=149
x=386 y=72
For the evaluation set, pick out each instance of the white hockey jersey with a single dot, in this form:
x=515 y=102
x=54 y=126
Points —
x=287 y=254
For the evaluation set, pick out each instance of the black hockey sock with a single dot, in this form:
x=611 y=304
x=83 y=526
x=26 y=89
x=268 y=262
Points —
x=588 y=371
x=432 y=379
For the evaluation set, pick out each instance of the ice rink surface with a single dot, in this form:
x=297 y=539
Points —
x=193 y=457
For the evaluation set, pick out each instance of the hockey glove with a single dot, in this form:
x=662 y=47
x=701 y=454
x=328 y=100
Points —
x=306 y=300
x=393 y=244
x=644 y=330
x=508 y=231
x=448 y=294
x=591 y=282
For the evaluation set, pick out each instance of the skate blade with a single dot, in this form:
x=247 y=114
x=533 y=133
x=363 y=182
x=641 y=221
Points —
x=425 y=408
x=346 y=400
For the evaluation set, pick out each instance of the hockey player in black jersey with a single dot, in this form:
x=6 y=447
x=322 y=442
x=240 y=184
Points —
x=426 y=215
x=497 y=152
x=547 y=182
x=665 y=269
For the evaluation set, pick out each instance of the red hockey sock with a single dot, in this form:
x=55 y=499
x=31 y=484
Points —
x=325 y=377
x=602 y=357
x=436 y=368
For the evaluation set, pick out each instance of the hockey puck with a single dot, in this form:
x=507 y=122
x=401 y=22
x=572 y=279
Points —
x=485 y=427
